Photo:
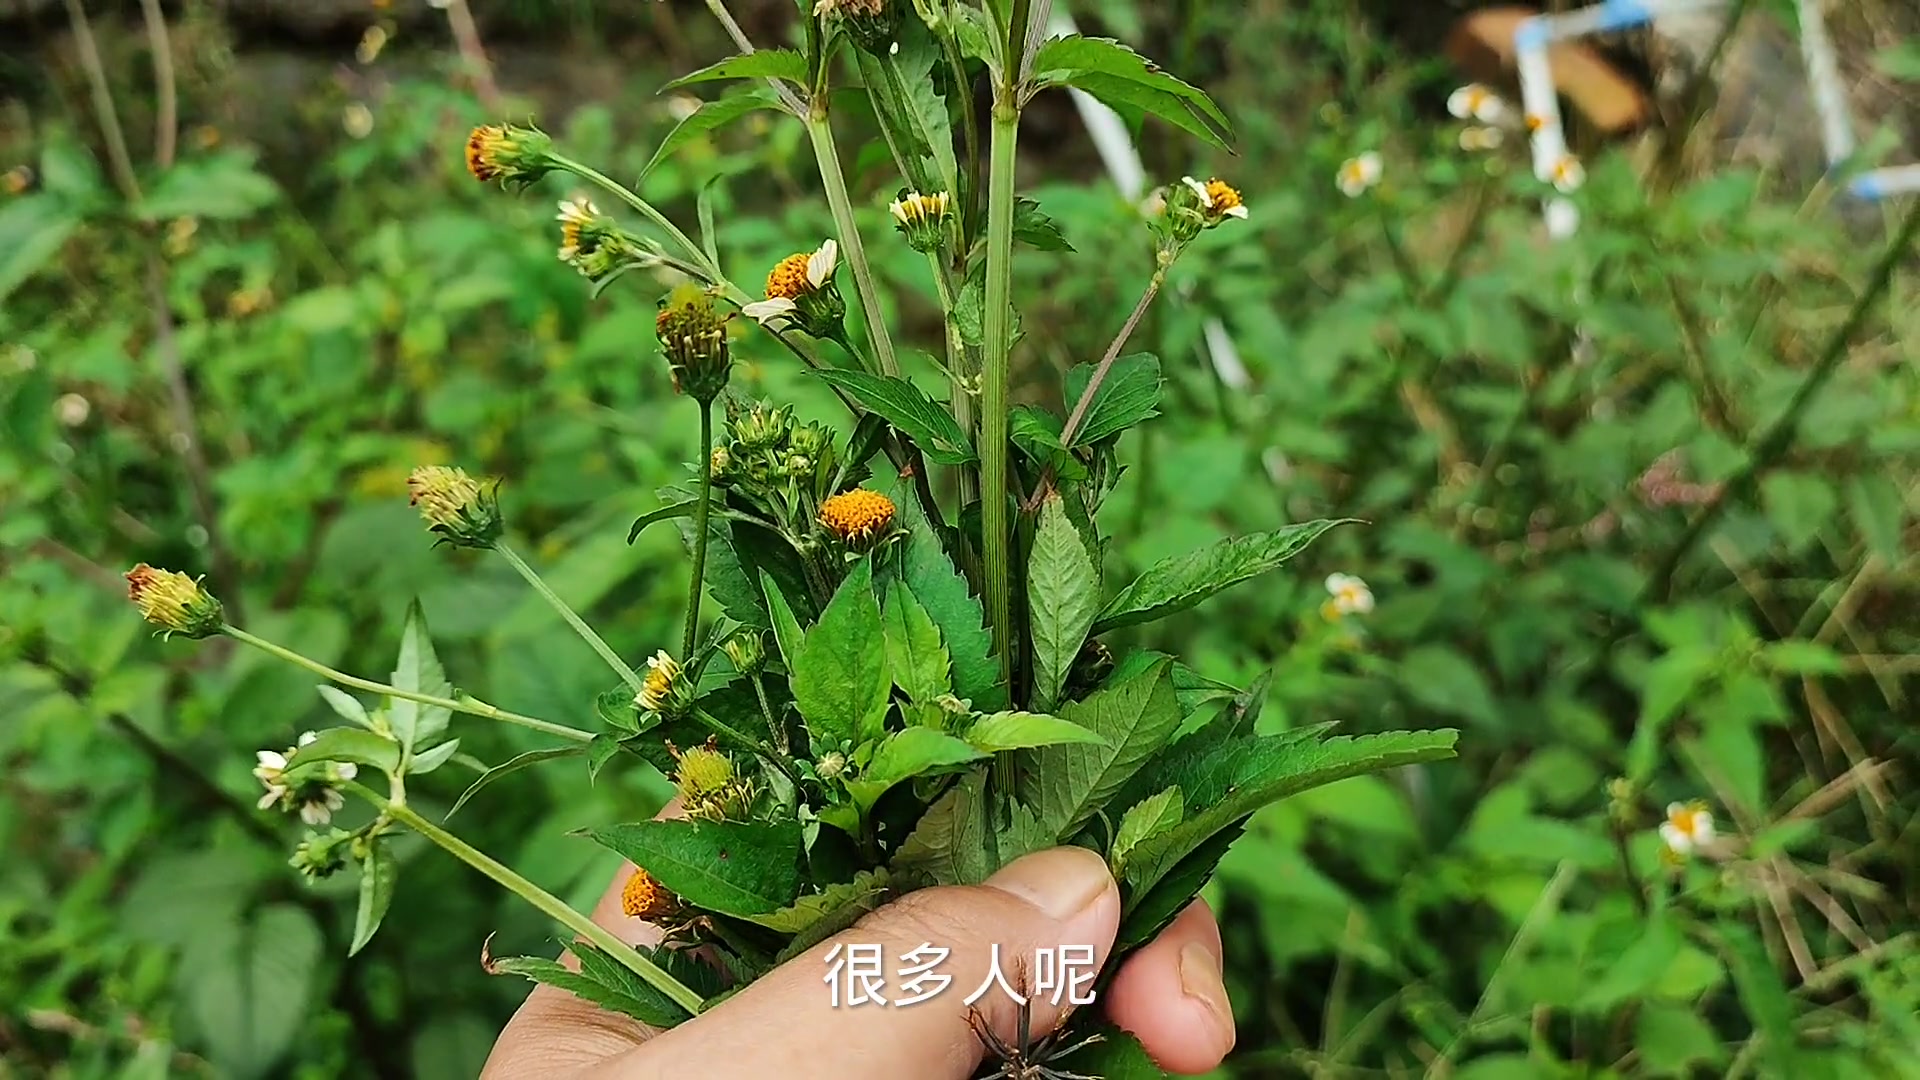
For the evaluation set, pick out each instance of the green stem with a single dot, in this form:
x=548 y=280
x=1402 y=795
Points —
x=573 y=619
x=543 y=901
x=700 y=537
x=835 y=182
x=1079 y=414
x=466 y=703
x=774 y=726
x=759 y=746
x=997 y=366
x=961 y=377
x=970 y=131
x=659 y=220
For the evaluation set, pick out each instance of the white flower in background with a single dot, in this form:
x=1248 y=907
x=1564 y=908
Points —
x=1563 y=218
x=316 y=799
x=1481 y=138
x=1357 y=174
x=1476 y=102
x=1688 y=828
x=1346 y=595
x=72 y=409
x=1567 y=174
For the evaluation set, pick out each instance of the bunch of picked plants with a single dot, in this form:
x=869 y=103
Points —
x=908 y=680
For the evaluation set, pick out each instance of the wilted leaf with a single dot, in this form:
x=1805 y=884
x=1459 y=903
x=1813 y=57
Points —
x=1185 y=580
x=731 y=867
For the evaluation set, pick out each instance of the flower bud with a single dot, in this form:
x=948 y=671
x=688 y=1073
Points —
x=922 y=218
x=321 y=855
x=830 y=765
x=1192 y=206
x=694 y=336
x=593 y=243
x=859 y=518
x=515 y=156
x=871 y=23
x=747 y=651
x=708 y=785
x=174 y=602
x=763 y=427
x=464 y=511
x=664 y=690
x=717 y=464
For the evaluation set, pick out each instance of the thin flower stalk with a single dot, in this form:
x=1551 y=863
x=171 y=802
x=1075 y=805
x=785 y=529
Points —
x=700 y=529
x=573 y=619
x=472 y=706
x=958 y=369
x=835 y=182
x=1079 y=414
x=695 y=254
x=543 y=901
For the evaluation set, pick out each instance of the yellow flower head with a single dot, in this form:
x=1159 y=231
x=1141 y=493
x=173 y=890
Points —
x=693 y=334
x=789 y=277
x=645 y=898
x=800 y=290
x=857 y=516
x=923 y=218
x=173 y=601
x=662 y=690
x=462 y=510
x=513 y=155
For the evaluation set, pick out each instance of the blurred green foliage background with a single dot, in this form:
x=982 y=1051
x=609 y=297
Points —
x=233 y=372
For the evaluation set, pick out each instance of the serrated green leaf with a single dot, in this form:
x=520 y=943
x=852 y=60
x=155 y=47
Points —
x=908 y=408
x=917 y=658
x=600 y=750
x=1185 y=580
x=914 y=117
x=649 y=1006
x=903 y=755
x=1036 y=229
x=847 y=900
x=1067 y=785
x=690 y=971
x=378 y=873
x=840 y=680
x=1149 y=913
x=514 y=765
x=759 y=64
x=1063 y=596
x=680 y=509
x=1146 y=819
x=346 y=705
x=1026 y=731
x=1094 y=64
x=418 y=670
x=711 y=116
x=731 y=867
x=357 y=745
x=1129 y=394
x=954 y=609
x=948 y=844
x=1239 y=777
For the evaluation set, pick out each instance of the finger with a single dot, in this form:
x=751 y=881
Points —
x=1062 y=897
x=1170 y=995
x=556 y=1031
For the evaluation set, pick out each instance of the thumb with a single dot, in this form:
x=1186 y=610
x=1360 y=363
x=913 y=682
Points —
x=1044 y=901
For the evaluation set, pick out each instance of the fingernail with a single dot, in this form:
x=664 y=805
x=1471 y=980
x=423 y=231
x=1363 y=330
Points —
x=1062 y=881
x=1200 y=980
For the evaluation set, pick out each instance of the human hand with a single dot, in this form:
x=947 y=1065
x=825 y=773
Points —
x=1169 y=993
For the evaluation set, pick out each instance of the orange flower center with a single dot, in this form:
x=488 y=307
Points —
x=1224 y=196
x=857 y=514
x=645 y=898
x=789 y=277
x=481 y=146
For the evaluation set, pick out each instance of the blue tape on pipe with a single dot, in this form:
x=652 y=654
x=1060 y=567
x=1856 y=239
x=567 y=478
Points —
x=1623 y=15
x=1868 y=187
x=1531 y=33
